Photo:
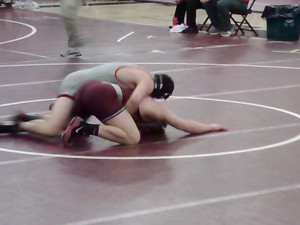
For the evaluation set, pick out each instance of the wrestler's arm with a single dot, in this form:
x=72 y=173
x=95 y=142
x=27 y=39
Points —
x=140 y=92
x=138 y=79
x=152 y=110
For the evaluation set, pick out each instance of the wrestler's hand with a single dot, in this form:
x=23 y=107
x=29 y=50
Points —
x=218 y=127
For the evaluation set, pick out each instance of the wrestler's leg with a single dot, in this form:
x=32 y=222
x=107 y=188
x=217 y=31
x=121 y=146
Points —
x=54 y=123
x=100 y=100
x=12 y=125
x=121 y=129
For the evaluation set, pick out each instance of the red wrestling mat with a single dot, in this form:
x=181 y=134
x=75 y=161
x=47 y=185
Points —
x=248 y=175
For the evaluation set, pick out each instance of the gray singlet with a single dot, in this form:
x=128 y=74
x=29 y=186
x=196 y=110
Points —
x=105 y=73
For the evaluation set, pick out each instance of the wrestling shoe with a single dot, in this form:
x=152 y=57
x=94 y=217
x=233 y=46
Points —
x=9 y=127
x=75 y=128
x=23 y=117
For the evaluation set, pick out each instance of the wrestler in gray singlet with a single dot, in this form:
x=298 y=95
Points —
x=105 y=73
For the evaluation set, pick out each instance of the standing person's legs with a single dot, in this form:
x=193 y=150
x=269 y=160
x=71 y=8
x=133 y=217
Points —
x=224 y=9
x=69 y=13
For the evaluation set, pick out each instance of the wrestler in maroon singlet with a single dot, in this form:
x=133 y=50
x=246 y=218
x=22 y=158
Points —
x=102 y=100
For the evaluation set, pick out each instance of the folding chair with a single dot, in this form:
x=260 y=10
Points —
x=241 y=25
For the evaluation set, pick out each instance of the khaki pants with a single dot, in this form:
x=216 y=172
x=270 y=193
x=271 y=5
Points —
x=69 y=12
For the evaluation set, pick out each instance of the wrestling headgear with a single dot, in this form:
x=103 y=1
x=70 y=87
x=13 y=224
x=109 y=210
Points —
x=163 y=86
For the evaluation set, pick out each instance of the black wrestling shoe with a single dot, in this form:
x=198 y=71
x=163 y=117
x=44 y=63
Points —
x=23 y=117
x=9 y=127
x=190 y=30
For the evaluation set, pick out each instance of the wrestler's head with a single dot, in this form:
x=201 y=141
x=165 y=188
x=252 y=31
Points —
x=163 y=86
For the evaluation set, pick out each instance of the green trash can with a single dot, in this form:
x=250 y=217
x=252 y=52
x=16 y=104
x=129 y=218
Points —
x=282 y=22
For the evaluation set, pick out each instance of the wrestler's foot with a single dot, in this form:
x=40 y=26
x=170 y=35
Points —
x=9 y=127
x=23 y=117
x=75 y=128
x=12 y=126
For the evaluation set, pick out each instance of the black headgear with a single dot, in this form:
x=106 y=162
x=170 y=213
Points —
x=163 y=86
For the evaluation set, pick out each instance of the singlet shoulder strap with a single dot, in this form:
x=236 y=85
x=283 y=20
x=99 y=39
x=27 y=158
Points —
x=119 y=92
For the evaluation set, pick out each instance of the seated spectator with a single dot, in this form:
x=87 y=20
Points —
x=178 y=24
x=218 y=12
x=190 y=7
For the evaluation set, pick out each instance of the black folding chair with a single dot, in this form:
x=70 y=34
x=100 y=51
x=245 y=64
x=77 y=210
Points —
x=242 y=24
